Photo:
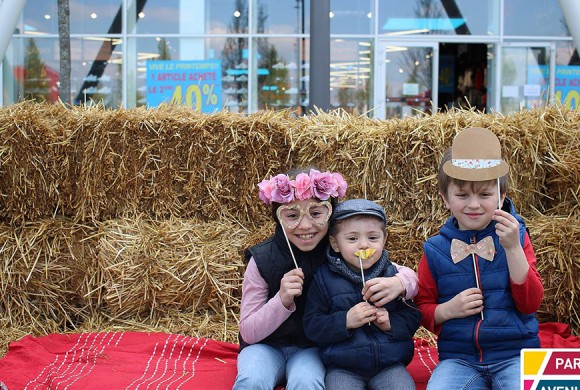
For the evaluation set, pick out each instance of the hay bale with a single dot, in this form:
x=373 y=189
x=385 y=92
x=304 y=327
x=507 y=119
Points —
x=405 y=241
x=152 y=267
x=562 y=161
x=395 y=161
x=49 y=273
x=174 y=162
x=34 y=161
x=378 y=159
x=556 y=244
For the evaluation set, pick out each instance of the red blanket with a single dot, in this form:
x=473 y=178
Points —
x=121 y=360
x=138 y=360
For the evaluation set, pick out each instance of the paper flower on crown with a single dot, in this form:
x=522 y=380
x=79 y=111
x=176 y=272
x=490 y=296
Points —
x=285 y=189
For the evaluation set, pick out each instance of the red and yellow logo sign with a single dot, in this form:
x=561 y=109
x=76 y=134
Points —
x=550 y=369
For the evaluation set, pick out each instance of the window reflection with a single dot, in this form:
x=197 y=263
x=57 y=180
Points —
x=97 y=17
x=282 y=73
x=153 y=49
x=350 y=74
x=96 y=74
x=232 y=52
x=38 y=17
x=163 y=16
x=534 y=18
x=352 y=16
x=37 y=77
x=521 y=69
x=227 y=16
x=275 y=74
x=566 y=54
x=408 y=80
x=96 y=65
x=282 y=17
x=444 y=17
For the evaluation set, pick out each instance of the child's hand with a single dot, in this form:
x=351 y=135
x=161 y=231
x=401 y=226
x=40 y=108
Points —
x=383 y=321
x=508 y=229
x=360 y=314
x=381 y=291
x=291 y=286
x=466 y=303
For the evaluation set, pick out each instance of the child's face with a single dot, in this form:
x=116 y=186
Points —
x=472 y=205
x=305 y=222
x=358 y=233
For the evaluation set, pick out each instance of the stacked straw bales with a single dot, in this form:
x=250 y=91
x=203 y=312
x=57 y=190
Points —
x=137 y=219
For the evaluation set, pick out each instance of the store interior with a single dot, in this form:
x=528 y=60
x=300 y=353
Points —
x=463 y=75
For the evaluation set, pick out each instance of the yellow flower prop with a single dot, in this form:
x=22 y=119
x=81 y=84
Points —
x=364 y=253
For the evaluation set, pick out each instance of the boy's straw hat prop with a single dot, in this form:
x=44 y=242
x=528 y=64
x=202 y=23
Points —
x=476 y=156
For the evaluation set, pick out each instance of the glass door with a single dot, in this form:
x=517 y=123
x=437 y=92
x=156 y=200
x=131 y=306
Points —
x=526 y=76
x=406 y=79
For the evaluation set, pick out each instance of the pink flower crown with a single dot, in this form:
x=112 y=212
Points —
x=285 y=189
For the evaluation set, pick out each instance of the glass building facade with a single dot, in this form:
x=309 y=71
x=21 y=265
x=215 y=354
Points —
x=388 y=58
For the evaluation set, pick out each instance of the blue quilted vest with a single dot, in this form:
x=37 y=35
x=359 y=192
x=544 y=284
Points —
x=504 y=331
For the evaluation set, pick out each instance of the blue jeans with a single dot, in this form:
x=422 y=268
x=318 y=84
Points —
x=394 y=377
x=262 y=366
x=457 y=374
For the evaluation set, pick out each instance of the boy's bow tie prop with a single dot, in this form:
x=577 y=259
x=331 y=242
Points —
x=460 y=250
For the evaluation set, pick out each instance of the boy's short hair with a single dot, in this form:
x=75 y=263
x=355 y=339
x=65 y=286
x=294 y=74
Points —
x=356 y=208
x=444 y=180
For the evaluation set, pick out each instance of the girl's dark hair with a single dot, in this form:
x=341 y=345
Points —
x=444 y=180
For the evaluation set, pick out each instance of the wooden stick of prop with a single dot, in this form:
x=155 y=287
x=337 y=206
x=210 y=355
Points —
x=290 y=247
x=476 y=279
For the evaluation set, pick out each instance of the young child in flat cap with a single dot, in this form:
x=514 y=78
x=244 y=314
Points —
x=362 y=346
x=479 y=287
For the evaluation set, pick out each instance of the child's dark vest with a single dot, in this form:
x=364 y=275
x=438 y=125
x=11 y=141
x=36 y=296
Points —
x=274 y=260
x=368 y=350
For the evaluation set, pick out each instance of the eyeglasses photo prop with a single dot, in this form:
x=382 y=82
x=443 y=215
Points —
x=291 y=215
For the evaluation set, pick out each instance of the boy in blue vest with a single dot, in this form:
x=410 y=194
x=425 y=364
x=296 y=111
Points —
x=479 y=287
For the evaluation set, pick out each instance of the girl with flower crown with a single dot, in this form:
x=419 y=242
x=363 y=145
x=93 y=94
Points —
x=273 y=347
